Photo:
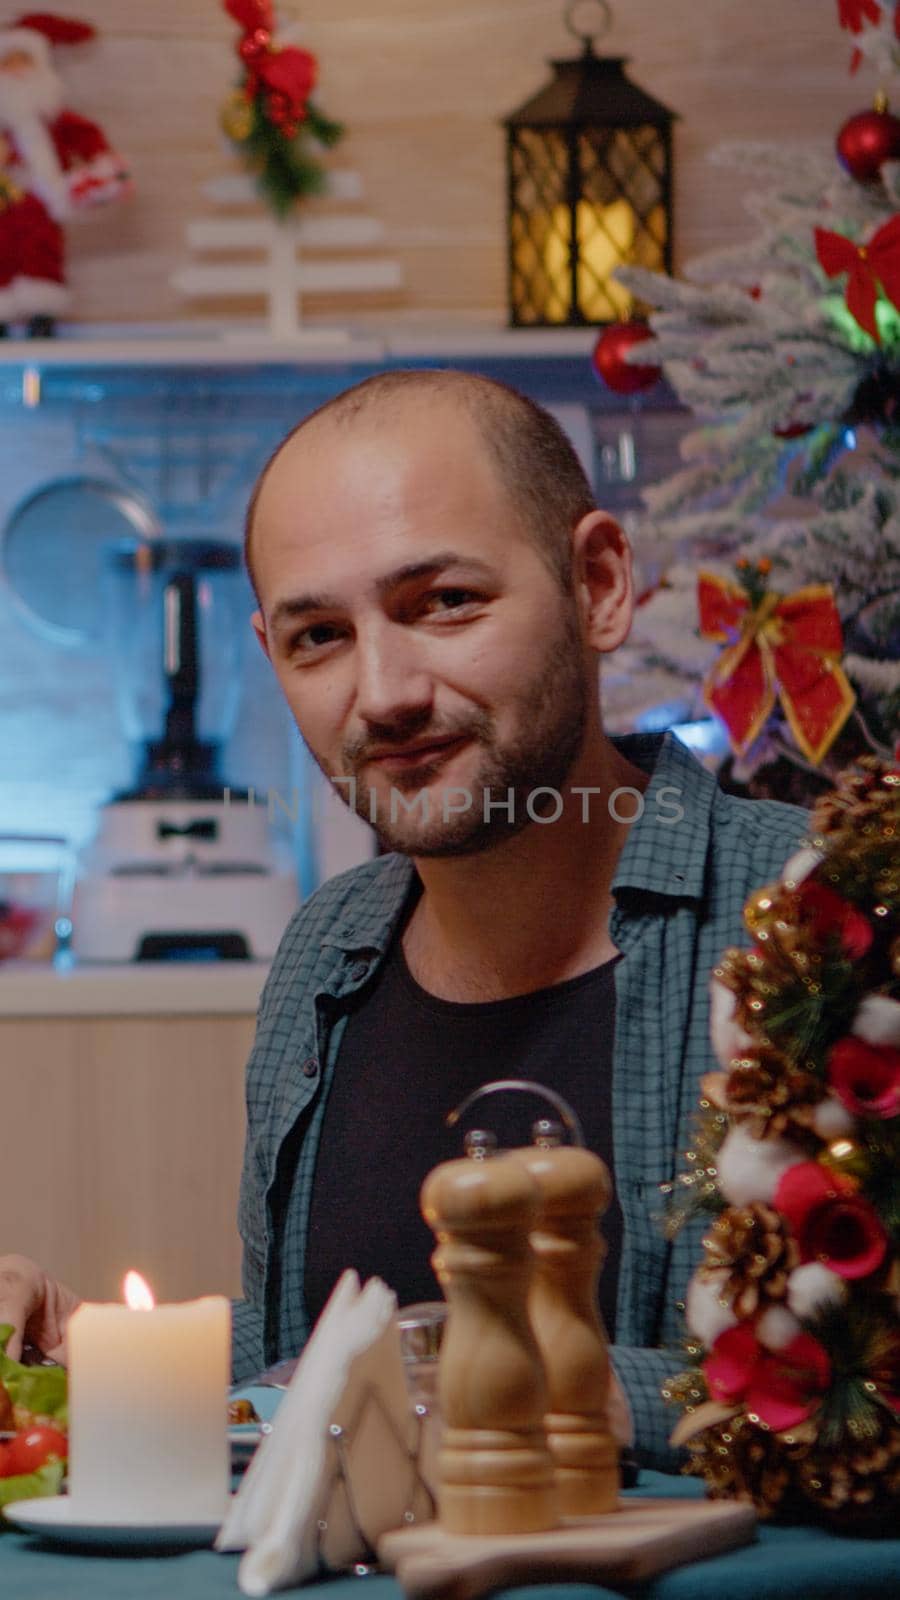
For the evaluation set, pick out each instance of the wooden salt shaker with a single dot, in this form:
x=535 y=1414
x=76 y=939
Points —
x=495 y=1473
x=575 y=1188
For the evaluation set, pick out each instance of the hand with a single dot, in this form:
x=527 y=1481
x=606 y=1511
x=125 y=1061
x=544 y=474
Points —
x=37 y=1306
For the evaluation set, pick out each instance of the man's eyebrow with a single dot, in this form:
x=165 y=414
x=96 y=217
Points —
x=300 y=606
x=427 y=569
x=304 y=604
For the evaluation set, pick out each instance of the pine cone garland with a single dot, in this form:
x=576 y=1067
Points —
x=793 y=1479
x=797 y=1297
x=771 y=1096
x=752 y=1245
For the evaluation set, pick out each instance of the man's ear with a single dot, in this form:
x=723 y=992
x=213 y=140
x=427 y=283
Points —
x=603 y=580
x=258 y=624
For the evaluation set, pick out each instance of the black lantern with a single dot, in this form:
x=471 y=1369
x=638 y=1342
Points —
x=589 y=167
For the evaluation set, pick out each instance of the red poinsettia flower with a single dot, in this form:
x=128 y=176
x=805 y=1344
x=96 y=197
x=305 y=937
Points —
x=866 y=1077
x=852 y=14
x=869 y=266
x=827 y=913
x=831 y=1221
x=780 y=1387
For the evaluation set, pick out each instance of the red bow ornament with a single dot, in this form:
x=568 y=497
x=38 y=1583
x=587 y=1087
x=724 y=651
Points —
x=287 y=75
x=868 y=265
x=784 y=647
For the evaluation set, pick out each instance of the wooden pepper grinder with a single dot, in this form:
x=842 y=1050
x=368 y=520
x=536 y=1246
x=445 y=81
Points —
x=568 y=1247
x=495 y=1473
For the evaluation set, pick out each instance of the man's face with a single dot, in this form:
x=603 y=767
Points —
x=422 y=644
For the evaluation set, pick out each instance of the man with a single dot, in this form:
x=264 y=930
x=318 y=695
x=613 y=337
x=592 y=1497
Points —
x=435 y=587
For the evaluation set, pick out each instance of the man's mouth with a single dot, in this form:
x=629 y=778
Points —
x=419 y=752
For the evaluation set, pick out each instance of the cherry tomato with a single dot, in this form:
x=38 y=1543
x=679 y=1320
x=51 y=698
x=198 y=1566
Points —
x=29 y=1450
x=4 y=1452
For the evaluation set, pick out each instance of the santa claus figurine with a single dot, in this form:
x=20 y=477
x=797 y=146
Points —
x=53 y=162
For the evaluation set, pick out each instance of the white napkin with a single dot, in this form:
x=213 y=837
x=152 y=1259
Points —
x=350 y=1374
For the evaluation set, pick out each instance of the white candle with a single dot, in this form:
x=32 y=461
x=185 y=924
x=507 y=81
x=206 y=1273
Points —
x=148 y=1439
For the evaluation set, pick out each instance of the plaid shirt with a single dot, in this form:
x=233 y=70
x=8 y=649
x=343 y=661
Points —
x=679 y=890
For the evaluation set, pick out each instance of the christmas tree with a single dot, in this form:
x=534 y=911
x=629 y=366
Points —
x=779 y=539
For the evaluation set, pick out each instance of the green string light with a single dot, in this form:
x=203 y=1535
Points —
x=887 y=320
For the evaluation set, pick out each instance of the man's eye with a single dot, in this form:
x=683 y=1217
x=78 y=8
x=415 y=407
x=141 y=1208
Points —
x=448 y=599
x=315 y=637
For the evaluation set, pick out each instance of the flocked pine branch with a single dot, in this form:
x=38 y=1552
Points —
x=757 y=342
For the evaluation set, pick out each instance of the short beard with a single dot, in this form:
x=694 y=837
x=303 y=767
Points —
x=552 y=714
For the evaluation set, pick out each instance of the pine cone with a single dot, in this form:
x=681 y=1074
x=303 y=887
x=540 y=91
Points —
x=740 y=1461
x=751 y=1244
x=790 y=1477
x=771 y=1096
x=860 y=1487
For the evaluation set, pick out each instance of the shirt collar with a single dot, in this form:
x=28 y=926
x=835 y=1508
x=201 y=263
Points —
x=376 y=906
x=664 y=854
x=666 y=850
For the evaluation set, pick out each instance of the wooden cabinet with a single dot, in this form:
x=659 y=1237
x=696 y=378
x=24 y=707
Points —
x=121 y=1145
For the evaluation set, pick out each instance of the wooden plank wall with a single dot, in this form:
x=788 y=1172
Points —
x=422 y=85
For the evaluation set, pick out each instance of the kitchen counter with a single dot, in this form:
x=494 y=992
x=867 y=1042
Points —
x=195 y=988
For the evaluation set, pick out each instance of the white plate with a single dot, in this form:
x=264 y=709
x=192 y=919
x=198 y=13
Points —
x=53 y=1518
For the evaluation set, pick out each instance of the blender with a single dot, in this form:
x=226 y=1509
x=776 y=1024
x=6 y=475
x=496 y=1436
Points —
x=183 y=866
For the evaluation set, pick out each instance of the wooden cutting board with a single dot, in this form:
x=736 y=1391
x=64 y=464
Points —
x=642 y=1538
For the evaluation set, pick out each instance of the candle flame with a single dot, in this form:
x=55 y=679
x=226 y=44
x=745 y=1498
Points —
x=136 y=1292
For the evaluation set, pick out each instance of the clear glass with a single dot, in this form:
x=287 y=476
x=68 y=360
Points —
x=421 y=1332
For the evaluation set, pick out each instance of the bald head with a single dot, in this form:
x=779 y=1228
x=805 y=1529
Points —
x=531 y=455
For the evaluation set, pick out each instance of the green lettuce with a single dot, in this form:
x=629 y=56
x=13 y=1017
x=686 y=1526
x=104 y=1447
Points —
x=41 y=1390
x=32 y=1485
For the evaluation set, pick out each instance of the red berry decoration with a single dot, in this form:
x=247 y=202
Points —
x=609 y=360
x=792 y=430
x=866 y=141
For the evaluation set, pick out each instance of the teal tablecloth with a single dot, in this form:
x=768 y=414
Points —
x=784 y=1564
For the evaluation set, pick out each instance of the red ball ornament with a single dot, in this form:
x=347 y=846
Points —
x=254 y=45
x=866 y=141
x=609 y=361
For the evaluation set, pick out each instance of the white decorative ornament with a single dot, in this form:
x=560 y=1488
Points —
x=800 y=865
x=750 y=1169
x=831 y=1119
x=777 y=1327
x=706 y=1313
x=877 y=1021
x=811 y=1287
x=292 y=264
x=729 y=1039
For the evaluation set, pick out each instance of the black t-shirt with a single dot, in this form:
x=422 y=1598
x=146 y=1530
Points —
x=406 y=1059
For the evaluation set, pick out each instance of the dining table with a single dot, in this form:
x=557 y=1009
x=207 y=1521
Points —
x=805 y=1562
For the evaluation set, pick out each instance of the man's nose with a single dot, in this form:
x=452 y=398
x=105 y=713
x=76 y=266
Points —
x=392 y=682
